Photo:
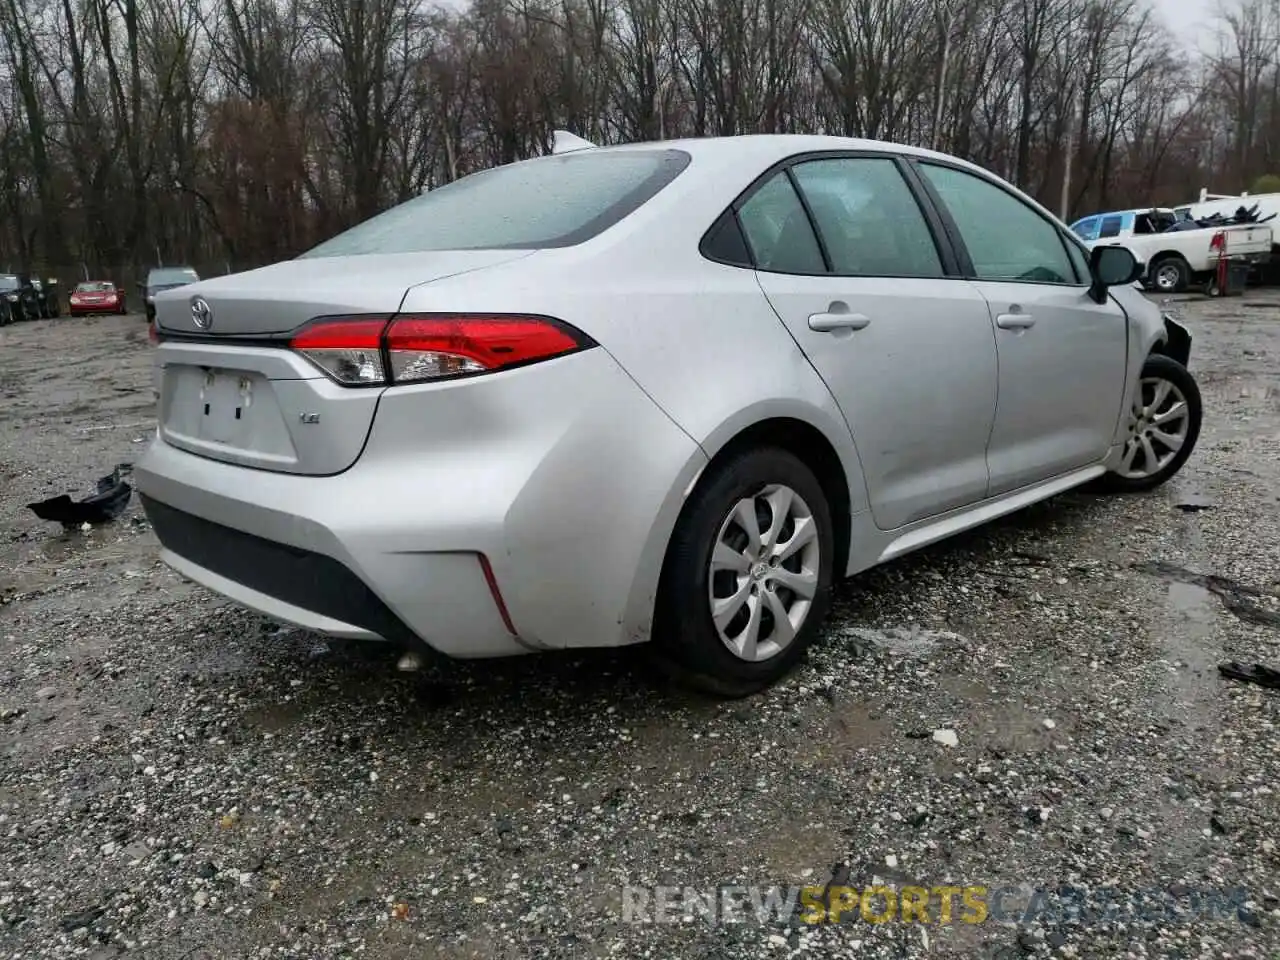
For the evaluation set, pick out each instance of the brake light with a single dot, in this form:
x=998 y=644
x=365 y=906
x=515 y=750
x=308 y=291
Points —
x=357 y=351
x=349 y=350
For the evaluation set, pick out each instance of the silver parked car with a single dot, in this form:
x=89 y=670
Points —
x=657 y=392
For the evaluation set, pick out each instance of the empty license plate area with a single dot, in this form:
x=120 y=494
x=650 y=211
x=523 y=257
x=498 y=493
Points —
x=227 y=404
x=225 y=413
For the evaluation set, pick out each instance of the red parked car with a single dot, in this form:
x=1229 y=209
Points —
x=96 y=296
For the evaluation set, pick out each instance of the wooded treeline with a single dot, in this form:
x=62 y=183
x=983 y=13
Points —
x=238 y=132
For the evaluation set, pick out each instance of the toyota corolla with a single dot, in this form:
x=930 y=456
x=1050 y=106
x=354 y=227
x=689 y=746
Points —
x=659 y=393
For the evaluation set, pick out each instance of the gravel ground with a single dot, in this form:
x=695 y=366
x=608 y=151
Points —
x=180 y=779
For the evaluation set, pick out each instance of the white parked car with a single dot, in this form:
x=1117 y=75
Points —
x=1176 y=259
x=663 y=392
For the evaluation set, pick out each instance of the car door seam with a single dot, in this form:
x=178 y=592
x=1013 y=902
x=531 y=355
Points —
x=853 y=441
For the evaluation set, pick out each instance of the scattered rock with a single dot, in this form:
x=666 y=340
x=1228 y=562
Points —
x=946 y=737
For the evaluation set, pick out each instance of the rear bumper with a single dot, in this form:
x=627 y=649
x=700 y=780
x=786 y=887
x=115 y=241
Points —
x=286 y=583
x=1257 y=259
x=565 y=477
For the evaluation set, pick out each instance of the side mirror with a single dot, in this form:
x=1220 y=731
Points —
x=1112 y=267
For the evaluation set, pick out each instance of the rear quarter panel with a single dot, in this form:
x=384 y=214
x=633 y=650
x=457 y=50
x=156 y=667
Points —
x=698 y=338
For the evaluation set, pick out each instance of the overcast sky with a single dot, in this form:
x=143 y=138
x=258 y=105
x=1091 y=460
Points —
x=1191 y=20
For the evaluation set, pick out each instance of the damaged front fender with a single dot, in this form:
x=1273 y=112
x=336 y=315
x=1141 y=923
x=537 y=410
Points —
x=1176 y=343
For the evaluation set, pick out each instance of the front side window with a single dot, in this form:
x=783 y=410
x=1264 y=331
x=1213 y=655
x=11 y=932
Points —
x=778 y=230
x=554 y=201
x=1086 y=229
x=1079 y=257
x=1006 y=239
x=867 y=217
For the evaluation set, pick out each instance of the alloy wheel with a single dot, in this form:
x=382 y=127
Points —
x=1158 y=425
x=764 y=572
x=1167 y=277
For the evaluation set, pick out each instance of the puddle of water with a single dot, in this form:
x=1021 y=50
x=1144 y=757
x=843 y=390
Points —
x=1191 y=601
x=905 y=641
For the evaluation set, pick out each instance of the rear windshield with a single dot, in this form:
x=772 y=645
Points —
x=8 y=282
x=172 y=275
x=554 y=201
x=95 y=287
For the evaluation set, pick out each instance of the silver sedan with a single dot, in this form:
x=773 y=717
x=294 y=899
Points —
x=661 y=392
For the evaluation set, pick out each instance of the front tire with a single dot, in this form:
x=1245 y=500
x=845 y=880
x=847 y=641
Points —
x=1170 y=275
x=1164 y=424
x=747 y=579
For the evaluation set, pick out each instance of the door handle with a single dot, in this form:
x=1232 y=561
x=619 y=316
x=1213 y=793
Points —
x=1015 y=321
x=831 y=322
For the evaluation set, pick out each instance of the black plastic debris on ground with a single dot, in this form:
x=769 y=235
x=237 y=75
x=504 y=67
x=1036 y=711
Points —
x=1263 y=676
x=1195 y=502
x=1238 y=598
x=105 y=504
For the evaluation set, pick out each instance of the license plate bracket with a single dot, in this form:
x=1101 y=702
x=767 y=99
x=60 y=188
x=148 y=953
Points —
x=226 y=398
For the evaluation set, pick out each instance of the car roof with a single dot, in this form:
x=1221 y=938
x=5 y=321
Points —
x=769 y=148
x=757 y=152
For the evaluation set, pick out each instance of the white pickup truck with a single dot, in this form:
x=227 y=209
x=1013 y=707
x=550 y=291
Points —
x=1175 y=259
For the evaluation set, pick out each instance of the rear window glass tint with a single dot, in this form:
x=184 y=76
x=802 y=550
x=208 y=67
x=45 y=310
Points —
x=868 y=219
x=552 y=201
x=1111 y=226
x=778 y=229
x=174 y=275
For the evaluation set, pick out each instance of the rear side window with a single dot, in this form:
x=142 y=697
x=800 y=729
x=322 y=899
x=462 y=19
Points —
x=869 y=220
x=554 y=201
x=1110 y=226
x=778 y=231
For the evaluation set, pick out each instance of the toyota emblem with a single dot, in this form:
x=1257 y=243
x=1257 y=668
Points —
x=201 y=313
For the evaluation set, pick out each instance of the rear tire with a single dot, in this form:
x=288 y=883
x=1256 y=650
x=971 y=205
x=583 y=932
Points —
x=1170 y=275
x=1167 y=411
x=759 y=584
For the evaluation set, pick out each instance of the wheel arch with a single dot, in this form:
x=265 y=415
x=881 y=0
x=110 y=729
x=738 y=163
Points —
x=799 y=428
x=1155 y=258
x=838 y=471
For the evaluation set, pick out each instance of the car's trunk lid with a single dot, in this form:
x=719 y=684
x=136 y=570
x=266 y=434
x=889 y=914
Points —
x=231 y=390
x=278 y=299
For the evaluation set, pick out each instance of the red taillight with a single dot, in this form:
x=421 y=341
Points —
x=1218 y=241
x=348 y=350
x=357 y=351
x=153 y=334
